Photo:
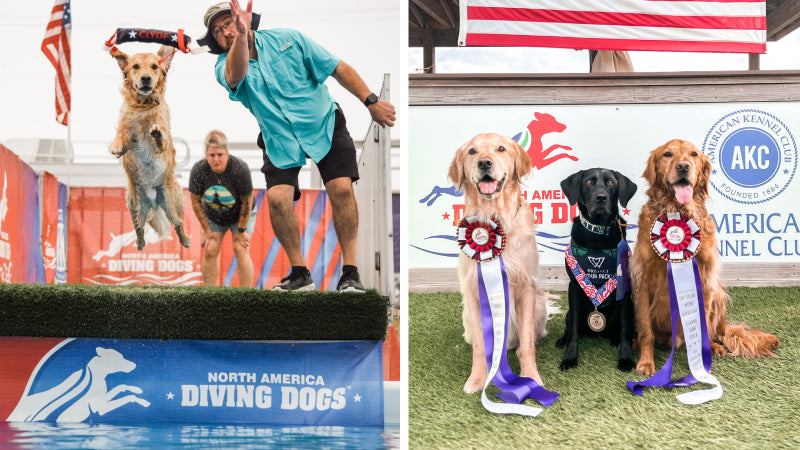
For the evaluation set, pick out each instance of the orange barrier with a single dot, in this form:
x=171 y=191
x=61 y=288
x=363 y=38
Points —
x=391 y=356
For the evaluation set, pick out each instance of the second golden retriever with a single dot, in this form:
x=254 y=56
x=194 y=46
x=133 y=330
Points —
x=144 y=143
x=678 y=175
x=489 y=169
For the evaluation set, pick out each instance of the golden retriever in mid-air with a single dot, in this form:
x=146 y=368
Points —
x=489 y=169
x=144 y=142
x=678 y=175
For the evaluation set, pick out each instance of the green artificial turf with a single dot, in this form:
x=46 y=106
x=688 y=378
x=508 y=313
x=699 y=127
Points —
x=160 y=312
x=760 y=407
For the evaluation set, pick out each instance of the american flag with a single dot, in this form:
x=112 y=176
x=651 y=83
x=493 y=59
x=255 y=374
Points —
x=56 y=48
x=727 y=26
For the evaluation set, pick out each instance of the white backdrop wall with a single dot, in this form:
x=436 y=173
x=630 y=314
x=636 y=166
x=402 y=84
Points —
x=754 y=191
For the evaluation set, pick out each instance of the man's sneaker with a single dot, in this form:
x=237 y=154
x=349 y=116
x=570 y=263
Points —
x=296 y=281
x=350 y=282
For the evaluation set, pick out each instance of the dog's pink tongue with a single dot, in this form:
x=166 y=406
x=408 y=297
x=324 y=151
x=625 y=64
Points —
x=488 y=187
x=683 y=193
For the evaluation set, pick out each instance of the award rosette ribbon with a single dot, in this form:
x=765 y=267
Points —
x=676 y=238
x=484 y=242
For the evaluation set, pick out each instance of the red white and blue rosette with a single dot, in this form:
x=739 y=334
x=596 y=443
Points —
x=675 y=237
x=481 y=241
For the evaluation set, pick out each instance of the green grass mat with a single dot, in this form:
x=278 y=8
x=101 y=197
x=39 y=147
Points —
x=759 y=407
x=158 y=312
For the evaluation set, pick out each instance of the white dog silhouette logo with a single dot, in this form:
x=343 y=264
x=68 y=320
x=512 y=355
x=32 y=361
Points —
x=151 y=236
x=81 y=394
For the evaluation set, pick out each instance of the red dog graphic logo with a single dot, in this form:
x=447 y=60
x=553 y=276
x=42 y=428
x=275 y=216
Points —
x=540 y=157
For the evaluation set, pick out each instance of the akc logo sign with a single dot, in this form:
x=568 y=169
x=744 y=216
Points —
x=754 y=152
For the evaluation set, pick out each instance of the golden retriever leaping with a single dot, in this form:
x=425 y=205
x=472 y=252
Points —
x=489 y=169
x=144 y=142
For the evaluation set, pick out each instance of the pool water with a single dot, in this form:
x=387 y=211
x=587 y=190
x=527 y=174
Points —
x=39 y=435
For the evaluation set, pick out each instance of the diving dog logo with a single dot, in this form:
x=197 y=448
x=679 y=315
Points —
x=117 y=243
x=753 y=156
x=82 y=394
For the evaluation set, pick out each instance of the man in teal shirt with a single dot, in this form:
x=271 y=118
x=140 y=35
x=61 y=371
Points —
x=279 y=75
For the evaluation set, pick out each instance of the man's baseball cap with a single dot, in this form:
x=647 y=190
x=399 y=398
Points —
x=213 y=12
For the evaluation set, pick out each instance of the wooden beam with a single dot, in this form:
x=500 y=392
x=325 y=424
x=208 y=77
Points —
x=554 y=278
x=754 y=61
x=607 y=88
x=434 y=10
x=450 y=18
x=783 y=20
x=429 y=53
x=414 y=13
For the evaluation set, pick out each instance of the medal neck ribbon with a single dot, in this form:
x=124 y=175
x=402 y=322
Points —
x=621 y=282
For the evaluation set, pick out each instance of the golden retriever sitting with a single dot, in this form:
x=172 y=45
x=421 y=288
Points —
x=144 y=142
x=678 y=174
x=489 y=169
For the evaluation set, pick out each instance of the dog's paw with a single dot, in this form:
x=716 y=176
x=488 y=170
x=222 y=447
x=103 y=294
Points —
x=474 y=384
x=646 y=368
x=568 y=363
x=186 y=241
x=562 y=341
x=117 y=151
x=570 y=359
x=140 y=242
x=625 y=364
x=718 y=349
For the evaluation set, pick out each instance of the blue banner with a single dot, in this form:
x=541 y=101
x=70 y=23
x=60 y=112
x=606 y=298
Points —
x=136 y=381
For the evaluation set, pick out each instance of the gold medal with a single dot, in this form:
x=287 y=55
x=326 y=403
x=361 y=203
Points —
x=597 y=321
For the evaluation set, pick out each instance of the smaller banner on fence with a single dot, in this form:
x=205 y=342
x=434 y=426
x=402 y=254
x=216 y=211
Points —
x=136 y=381
x=49 y=194
x=100 y=221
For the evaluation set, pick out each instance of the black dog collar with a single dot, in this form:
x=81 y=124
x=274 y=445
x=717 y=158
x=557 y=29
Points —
x=596 y=229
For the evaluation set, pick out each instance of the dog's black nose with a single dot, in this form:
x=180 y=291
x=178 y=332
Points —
x=485 y=164
x=682 y=166
x=601 y=197
x=146 y=79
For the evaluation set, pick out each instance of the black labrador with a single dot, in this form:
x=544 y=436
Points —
x=593 y=245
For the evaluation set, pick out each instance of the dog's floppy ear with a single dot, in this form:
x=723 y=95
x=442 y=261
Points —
x=122 y=59
x=572 y=186
x=456 y=173
x=651 y=169
x=705 y=177
x=165 y=55
x=522 y=162
x=626 y=188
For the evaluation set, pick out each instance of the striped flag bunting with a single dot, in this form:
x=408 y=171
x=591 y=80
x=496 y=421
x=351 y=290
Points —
x=723 y=26
x=55 y=46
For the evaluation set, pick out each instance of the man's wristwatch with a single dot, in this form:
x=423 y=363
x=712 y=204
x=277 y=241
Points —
x=371 y=99
x=242 y=230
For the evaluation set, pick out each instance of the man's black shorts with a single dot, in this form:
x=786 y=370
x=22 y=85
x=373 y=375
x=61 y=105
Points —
x=339 y=162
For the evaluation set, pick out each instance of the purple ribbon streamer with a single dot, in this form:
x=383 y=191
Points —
x=663 y=376
x=513 y=388
x=623 y=280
